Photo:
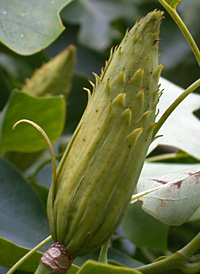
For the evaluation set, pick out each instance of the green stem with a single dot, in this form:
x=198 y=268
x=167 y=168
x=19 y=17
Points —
x=31 y=252
x=171 y=263
x=53 y=157
x=177 y=261
x=172 y=107
x=167 y=156
x=43 y=269
x=183 y=28
x=191 y=247
x=103 y=256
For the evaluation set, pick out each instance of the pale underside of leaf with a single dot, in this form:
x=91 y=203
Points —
x=172 y=198
x=182 y=128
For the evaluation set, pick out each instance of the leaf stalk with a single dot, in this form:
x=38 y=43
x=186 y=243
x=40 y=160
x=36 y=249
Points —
x=31 y=252
x=53 y=157
x=103 y=256
x=177 y=261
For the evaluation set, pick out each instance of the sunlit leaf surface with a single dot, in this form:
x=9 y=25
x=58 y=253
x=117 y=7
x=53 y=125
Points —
x=48 y=112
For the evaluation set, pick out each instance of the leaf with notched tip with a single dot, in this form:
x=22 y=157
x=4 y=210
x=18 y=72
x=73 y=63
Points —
x=26 y=27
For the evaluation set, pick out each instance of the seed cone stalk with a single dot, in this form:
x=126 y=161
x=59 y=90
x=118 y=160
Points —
x=100 y=168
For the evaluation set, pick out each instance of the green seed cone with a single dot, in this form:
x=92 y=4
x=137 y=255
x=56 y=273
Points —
x=54 y=77
x=100 y=168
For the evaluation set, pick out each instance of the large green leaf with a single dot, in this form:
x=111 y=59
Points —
x=27 y=27
x=181 y=129
x=98 y=268
x=143 y=230
x=22 y=160
x=22 y=219
x=48 y=112
x=10 y=253
x=95 y=18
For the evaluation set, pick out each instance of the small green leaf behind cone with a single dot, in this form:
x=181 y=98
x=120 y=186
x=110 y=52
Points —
x=28 y=26
x=48 y=112
x=177 y=198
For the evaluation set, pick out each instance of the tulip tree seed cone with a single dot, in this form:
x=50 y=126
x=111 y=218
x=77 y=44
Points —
x=54 y=77
x=101 y=165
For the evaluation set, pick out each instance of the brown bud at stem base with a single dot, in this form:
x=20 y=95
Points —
x=57 y=258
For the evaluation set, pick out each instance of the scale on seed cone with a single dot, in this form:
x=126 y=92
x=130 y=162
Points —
x=101 y=165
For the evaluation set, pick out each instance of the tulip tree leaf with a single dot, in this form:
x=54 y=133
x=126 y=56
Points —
x=98 y=268
x=27 y=27
x=22 y=219
x=181 y=129
x=159 y=169
x=73 y=269
x=143 y=230
x=195 y=216
x=173 y=3
x=175 y=198
x=23 y=223
x=10 y=253
x=49 y=113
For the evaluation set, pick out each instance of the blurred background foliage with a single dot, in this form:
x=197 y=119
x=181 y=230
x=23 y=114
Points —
x=93 y=26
